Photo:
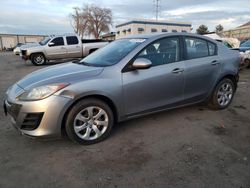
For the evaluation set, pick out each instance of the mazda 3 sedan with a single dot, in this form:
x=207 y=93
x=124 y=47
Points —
x=130 y=77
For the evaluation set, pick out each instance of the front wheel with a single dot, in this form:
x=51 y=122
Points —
x=38 y=59
x=223 y=94
x=89 y=121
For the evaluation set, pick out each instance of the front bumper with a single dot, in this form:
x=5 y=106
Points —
x=41 y=118
x=23 y=55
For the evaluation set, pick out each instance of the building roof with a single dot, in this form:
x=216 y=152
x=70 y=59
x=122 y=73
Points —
x=244 y=25
x=155 y=22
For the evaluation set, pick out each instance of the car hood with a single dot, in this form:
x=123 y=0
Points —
x=67 y=72
x=29 y=45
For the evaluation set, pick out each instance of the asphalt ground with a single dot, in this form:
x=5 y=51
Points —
x=187 y=147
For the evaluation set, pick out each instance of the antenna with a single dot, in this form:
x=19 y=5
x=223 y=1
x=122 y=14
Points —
x=157 y=9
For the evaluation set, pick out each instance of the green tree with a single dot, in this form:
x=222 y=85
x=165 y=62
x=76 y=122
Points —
x=202 y=29
x=219 y=28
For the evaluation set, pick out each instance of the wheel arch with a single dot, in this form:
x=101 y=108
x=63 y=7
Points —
x=103 y=98
x=230 y=76
x=33 y=53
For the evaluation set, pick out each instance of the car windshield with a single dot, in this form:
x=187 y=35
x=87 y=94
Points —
x=112 y=53
x=44 y=41
x=245 y=44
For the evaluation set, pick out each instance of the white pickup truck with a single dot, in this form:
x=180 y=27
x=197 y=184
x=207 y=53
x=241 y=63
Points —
x=60 y=47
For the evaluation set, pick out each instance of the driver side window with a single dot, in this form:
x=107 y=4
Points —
x=162 y=52
x=58 y=41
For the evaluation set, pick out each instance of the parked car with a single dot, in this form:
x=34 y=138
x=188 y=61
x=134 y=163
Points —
x=60 y=47
x=244 y=52
x=17 y=49
x=128 y=78
x=245 y=46
x=246 y=58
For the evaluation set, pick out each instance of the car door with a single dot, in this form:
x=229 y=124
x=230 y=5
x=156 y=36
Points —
x=202 y=67
x=74 y=49
x=159 y=86
x=56 y=49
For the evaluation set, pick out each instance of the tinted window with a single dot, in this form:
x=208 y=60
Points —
x=72 y=40
x=161 y=52
x=112 y=53
x=58 y=41
x=211 y=48
x=196 y=48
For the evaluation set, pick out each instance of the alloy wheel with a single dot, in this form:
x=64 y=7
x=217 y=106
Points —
x=39 y=59
x=91 y=123
x=225 y=94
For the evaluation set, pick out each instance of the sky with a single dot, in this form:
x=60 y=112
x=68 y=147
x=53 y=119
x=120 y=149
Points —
x=52 y=16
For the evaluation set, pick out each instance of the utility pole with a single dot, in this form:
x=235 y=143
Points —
x=157 y=9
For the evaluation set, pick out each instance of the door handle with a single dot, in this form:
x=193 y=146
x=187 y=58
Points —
x=215 y=62
x=177 y=70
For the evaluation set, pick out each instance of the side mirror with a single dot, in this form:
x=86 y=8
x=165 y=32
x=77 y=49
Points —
x=51 y=44
x=142 y=63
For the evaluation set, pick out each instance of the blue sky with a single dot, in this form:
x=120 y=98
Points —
x=52 y=16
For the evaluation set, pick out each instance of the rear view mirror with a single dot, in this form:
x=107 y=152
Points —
x=51 y=44
x=142 y=63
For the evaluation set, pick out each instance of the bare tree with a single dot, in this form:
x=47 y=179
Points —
x=99 y=20
x=91 y=20
x=79 y=21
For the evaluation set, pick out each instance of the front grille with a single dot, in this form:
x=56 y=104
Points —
x=32 y=121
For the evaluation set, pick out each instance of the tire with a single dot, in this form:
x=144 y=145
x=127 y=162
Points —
x=221 y=97
x=247 y=61
x=38 y=59
x=85 y=129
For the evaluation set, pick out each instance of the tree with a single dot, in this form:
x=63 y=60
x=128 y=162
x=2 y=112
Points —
x=79 y=21
x=100 y=20
x=91 y=20
x=219 y=28
x=202 y=29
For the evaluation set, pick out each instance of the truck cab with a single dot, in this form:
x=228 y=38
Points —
x=68 y=46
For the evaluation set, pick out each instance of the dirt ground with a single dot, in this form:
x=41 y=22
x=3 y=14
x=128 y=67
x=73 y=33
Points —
x=187 y=147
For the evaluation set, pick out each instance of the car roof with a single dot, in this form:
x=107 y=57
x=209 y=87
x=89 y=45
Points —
x=157 y=35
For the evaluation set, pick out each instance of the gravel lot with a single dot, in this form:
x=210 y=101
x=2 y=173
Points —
x=187 y=147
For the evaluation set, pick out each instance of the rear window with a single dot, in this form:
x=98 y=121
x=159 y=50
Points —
x=211 y=48
x=72 y=40
x=196 y=48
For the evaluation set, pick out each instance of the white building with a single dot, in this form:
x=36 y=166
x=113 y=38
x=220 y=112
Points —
x=135 y=27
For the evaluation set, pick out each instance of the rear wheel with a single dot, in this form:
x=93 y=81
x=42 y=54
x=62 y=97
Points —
x=89 y=121
x=223 y=94
x=247 y=61
x=38 y=59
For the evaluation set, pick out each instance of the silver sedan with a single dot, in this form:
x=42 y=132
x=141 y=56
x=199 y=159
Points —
x=128 y=78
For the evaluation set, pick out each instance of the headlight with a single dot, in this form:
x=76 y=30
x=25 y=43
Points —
x=41 y=92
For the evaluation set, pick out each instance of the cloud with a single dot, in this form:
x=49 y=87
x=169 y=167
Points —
x=51 y=16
